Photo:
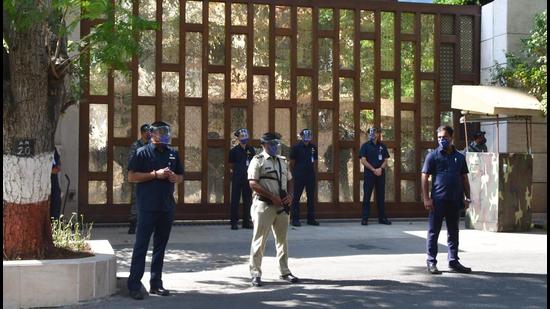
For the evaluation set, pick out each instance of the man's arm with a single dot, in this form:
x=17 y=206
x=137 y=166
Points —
x=367 y=164
x=466 y=185
x=257 y=187
x=164 y=173
x=428 y=203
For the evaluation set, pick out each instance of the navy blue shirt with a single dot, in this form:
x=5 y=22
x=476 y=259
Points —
x=447 y=171
x=374 y=153
x=304 y=157
x=240 y=158
x=157 y=194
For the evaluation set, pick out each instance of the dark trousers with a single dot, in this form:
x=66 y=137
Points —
x=55 y=199
x=159 y=223
x=378 y=183
x=451 y=212
x=301 y=182
x=240 y=186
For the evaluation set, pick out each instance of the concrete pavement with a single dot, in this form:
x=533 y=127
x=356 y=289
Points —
x=342 y=265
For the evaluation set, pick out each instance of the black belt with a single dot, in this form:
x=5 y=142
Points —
x=265 y=199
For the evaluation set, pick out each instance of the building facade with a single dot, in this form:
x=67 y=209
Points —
x=336 y=67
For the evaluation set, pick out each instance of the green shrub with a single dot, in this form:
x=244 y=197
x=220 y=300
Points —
x=71 y=234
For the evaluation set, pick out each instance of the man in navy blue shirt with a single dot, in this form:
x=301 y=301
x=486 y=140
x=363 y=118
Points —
x=155 y=168
x=450 y=193
x=374 y=155
x=302 y=159
x=239 y=159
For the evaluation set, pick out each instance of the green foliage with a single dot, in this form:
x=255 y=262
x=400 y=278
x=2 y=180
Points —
x=457 y=2
x=72 y=234
x=110 y=44
x=527 y=70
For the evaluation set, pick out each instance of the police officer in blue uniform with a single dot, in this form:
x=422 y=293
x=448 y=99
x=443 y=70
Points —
x=303 y=156
x=142 y=141
x=449 y=195
x=156 y=168
x=239 y=160
x=374 y=155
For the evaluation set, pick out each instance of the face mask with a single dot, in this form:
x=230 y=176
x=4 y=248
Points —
x=372 y=135
x=162 y=134
x=272 y=148
x=244 y=140
x=444 y=143
x=307 y=136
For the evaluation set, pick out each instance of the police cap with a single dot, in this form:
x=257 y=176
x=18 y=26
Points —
x=269 y=136
x=144 y=128
x=479 y=134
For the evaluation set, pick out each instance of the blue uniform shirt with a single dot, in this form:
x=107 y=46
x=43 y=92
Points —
x=240 y=158
x=375 y=154
x=157 y=194
x=446 y=170
x=304 y=157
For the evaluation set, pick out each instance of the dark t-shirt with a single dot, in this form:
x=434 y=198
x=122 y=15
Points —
x=374 y=153
x=446 y=170
x=304 y=157
x=240 y=158
x=157 y=194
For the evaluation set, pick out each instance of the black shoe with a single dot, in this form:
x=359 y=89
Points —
x=384 y=221
x=234 y=227
x=136 y=295
x=296 y=223
x=248 y=225
x=256 y=281
x=290 y=278
x=313 y=222
x=159 y=291
x=432 y=269
x=364 y=222
x=459 y=268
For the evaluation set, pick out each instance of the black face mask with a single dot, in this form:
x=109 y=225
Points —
x=483 y=141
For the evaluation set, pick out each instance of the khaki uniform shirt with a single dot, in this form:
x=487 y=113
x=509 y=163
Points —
x=265 y=169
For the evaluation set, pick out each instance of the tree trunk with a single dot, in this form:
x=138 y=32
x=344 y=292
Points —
x=26 y=221
x=31 y=101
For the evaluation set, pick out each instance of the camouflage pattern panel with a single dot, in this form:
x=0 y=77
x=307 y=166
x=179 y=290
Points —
x=484 y=183
x=515 y=192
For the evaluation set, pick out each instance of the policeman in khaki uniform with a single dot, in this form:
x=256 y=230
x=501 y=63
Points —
x=268 y=176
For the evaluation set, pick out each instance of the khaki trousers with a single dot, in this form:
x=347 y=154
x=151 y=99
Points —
x=265 y=217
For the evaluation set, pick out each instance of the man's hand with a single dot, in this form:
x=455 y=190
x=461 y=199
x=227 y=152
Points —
x=287 y=200
x=163 y=173
x=428 y=204
x=466 y=204
x=378 y=171
x=56 y=169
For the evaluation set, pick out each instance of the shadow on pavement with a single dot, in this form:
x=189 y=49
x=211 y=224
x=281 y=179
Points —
x=477 y=290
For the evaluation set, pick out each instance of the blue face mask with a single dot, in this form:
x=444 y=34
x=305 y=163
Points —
x=372 y=134
x=162 y=134
x=307 y=135
x=244 y=140
x=272 y=149
x=444 y=143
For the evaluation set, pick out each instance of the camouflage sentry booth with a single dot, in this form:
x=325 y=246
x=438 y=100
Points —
x=500 y=186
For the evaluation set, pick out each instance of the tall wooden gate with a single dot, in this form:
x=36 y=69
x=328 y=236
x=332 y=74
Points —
x=337 y=67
